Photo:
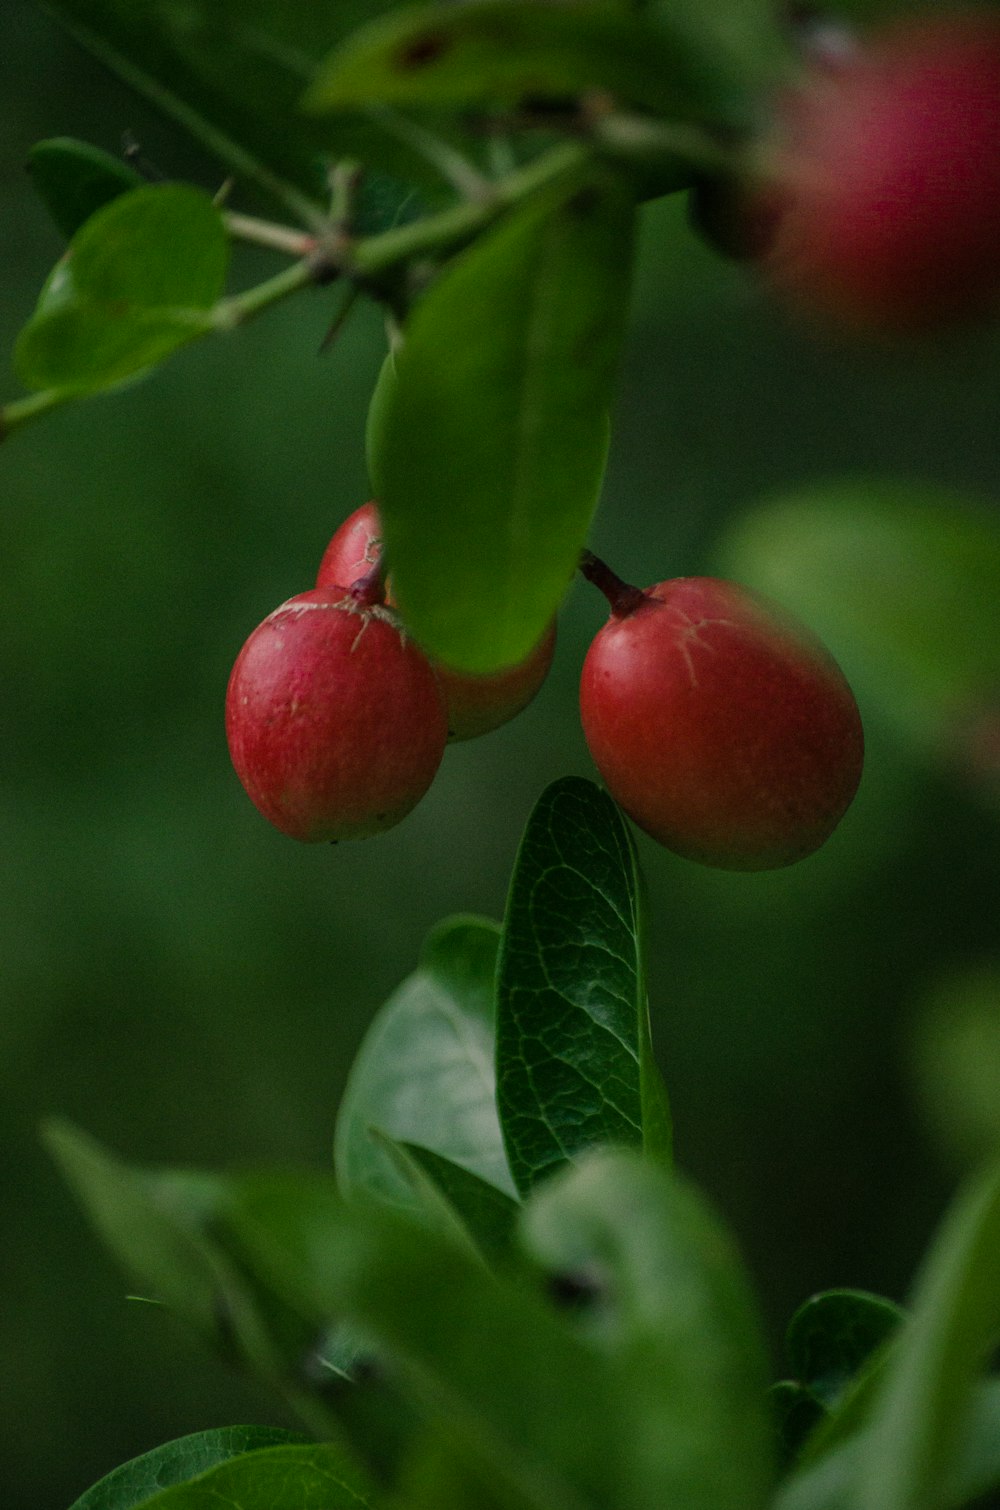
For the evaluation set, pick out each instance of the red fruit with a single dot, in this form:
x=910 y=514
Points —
x=888 y=180
x=724 y=730
x=335 y=721
x=476 y=704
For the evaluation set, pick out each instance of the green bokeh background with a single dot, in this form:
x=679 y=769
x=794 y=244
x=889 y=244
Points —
x=190 y=986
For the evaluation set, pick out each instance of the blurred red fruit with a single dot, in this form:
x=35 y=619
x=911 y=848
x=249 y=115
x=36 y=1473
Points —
x=886 y=189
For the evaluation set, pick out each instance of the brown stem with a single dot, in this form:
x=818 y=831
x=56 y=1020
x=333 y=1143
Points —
x=369 y=590
x=623 y=598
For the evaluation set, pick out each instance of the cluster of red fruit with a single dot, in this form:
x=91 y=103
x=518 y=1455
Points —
x=877 y=208
x=722 y=729
x=336 y=720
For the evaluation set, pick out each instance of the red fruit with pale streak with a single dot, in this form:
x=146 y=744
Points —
x=476 y=704
x=888 y=180
x=335 y=721
x=724 y=730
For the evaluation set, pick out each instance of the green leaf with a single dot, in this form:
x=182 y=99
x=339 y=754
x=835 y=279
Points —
x=159 y=1225
x=497 y=1372
x=831 y=1482
x=424 y=1073
x=565 y=1414
x=956 y=1054
x=902 y=581
x=735 y=50
x=312 y=1476
x=502 y=51
x=151 y=1221
x=574 y=1061
x=231 y=72
x=378 y=406
x=74 y=179
x=797 y=1413
x=494 y=436
x=135 y=1482
x=138 y=281
x=832 y=1336
x=977 y=1462
x=917 y=1421
x=453 y=1198
x=671 y=1305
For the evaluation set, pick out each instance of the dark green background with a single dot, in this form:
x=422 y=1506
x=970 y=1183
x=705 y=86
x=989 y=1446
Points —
x=190 y=985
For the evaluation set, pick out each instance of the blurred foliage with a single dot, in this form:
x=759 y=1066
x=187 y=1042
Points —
x=191 y=986
x=956 y=1059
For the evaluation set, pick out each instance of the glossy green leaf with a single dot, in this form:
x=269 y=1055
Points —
x=142 y=1478
x=502 y=51
x=453 y=1198
x=74 y=179
x=159 y=1225
x=494 y=435
x=902 y=582
x=672 y=1308
x=833 y=1335
x=575 y=1066
x=232 y=72
x=424 y=1073
x=917 y=1421
x=139 y=280
x=311 y=1476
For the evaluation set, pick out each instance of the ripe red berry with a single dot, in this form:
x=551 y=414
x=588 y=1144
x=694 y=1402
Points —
x=335 y=721
x=887 y=181
x=476 y=704
x=724 y=730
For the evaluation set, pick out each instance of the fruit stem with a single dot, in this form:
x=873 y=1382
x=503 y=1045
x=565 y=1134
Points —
x=624 y=599
x=369 y=590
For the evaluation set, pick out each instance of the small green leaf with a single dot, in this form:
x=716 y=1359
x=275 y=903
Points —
x=231 y=72
x=574 y=1060
x=494 y=435
x=140 y=1479
x=424 y=1073
x=672 y=1308
x=797 y=1413
x=310 y=1476
x=917 y=1421
x=153 y=1225
x=159 y=1224
x=74 y=179
x=902 y=582
x=138 y=281
x=502 y=51
x=832 y=1336
x=454 y=1199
